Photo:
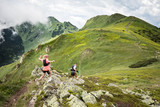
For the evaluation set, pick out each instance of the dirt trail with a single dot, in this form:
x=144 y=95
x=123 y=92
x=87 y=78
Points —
x=12 y=101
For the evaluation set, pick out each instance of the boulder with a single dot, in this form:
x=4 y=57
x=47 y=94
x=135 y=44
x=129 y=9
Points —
x=74 y=88
x=48 y=87
x=98 y=93
x=88 y=98
x=108 y=94
x=64 y=93
x=52 y=102
x=112 y=85
x=75 y=102
x=54 y=79
x=22 y=58
x=75 y=81
x=47 y=49
x=37 y=71
x=104 y=104
x=148 y=101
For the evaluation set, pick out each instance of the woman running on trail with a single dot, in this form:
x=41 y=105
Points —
x=46 y=67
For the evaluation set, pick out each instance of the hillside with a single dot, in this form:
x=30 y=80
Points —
x=26 y=36
x=104 y=54
x=33 y=35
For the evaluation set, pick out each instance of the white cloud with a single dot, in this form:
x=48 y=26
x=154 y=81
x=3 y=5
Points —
x=76 y=11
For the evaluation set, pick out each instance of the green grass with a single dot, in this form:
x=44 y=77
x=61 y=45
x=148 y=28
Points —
x=119 y=99
x=103 y=51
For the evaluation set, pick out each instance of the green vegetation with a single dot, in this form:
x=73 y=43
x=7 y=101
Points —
x=143 y=63
x=119 y=99
x=102 y=50
x=35 y=34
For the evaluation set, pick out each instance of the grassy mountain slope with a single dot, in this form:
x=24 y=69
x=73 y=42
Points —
x=35 y=34
x=104 y=51
x=26 y=36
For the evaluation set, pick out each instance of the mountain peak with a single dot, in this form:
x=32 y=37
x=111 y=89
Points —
x=101 y=21
x=52 y=19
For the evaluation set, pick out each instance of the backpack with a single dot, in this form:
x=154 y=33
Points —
x=72 y=69
x=44 y=63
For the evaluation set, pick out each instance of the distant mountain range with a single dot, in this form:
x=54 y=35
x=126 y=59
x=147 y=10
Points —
x=16 y=40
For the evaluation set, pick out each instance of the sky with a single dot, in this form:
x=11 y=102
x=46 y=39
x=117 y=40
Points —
x=77 y=12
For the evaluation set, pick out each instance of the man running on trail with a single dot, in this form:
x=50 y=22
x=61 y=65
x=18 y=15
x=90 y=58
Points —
x=46 y=67
x=74 y=70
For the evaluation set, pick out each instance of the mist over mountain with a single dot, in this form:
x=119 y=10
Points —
x=16 y=40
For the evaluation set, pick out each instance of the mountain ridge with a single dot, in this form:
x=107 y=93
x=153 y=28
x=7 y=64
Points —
x=104 y=55
x=32 y=35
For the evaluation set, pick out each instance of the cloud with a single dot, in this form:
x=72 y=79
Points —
x=76 y=11
x=15 y=12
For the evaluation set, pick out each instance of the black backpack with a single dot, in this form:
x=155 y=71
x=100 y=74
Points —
x=72 y=69
x=44 y=63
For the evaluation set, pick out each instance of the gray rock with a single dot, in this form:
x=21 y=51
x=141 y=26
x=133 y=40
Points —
x=148 y=101
x=74 y=88
x=75 y=102
x=104 y=104
x=54 y=79
x=76 y=81
x=48 y=87
x=22 y=58
x=47 y=49
x=52 y=101
x=98 y=93
x=88 y=98
x=97 y=83
x=112 y=85
x=64 y=93
x=37 y=71
x=108 y=94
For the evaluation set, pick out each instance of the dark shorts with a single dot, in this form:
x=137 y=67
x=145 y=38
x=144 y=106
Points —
x=46 y=71
x=73 y=73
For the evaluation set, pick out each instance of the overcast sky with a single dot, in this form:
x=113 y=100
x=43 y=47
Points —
x=76 y=11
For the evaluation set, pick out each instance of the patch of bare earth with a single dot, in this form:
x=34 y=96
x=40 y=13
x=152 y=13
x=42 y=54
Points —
x=12 y=101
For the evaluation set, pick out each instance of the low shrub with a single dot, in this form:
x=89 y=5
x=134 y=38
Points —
x=143 y=63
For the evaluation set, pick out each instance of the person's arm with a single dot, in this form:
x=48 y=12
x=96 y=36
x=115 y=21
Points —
x=51 y=61
x=40 y=58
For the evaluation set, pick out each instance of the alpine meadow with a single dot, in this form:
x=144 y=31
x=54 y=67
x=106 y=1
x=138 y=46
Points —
x=116 y=54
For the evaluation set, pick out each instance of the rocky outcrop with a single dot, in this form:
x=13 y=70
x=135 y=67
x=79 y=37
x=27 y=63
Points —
x=98 y=94
x=75 y=102
x=47 y=49
x=51 y=102
x=61 y=91
x=37 y=71
x=88 y=98
x=146 y=98
x=22 y=58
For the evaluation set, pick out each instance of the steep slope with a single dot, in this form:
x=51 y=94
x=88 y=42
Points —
x=14 y=41
x=116 y=21
x=33 y=35
x=102 y=52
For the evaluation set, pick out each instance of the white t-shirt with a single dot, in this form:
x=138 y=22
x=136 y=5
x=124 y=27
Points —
x=74 y=67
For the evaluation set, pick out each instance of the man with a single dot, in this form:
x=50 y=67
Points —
x=74 y=70
x=46 y=67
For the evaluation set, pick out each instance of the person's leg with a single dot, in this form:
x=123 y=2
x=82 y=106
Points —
x=75 y=75
x=49 y=73
x=42 y=76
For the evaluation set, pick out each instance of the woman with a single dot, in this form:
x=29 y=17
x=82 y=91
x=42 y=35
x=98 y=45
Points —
x=46 y=67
